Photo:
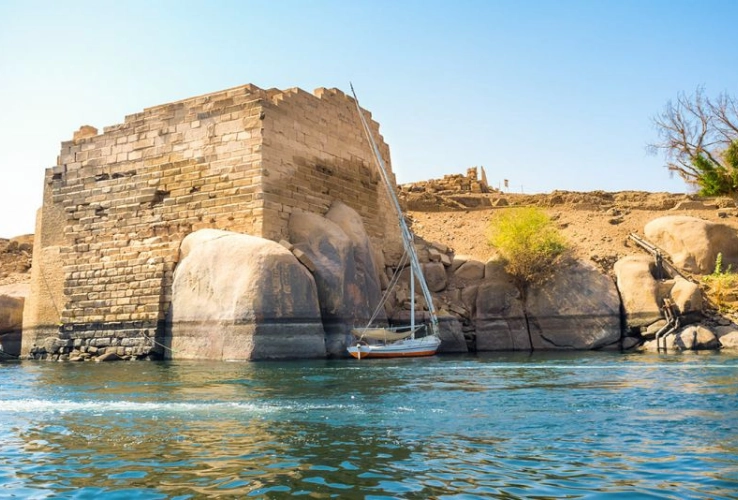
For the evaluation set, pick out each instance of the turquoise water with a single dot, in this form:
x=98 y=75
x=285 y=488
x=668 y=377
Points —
x=585 y=425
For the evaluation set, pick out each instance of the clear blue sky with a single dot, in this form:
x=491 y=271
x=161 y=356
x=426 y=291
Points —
x=548 y=94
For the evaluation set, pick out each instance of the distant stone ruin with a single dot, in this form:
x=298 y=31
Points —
x=118 y=204
x=475 y=181
x=452 y=192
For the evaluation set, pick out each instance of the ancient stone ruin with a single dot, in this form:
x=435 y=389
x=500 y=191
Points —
x=475 y=181
x=119 y=203
x=453 y=191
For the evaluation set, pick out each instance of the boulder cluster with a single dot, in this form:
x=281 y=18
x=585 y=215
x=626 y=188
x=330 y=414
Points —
x=647 y=289
x=328 y=279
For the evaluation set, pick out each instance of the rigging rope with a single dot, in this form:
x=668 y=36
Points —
x=393 y=282
x=404 y=230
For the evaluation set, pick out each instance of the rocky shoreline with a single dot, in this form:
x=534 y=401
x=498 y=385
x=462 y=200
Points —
x=334 y=275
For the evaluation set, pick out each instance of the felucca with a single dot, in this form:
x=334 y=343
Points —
x=395 y=342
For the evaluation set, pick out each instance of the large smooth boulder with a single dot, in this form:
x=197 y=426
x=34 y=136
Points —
x=347 y=282
x=366 y=264
x=687 y=296
x=696 y=337
x=12 y=300
x=693 y=244
x=435 y=276
x=643 y=295
x=639 y=290
x=689 y=338
x=469 y=271
x=579 y=308
x=240 y=297
x=728 y=336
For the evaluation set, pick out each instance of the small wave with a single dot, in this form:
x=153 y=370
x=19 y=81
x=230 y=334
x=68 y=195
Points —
x=201 y=407
x=65 y=406
x=544 y=366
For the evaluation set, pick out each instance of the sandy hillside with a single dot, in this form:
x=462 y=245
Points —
x=15 y=259
x=595 y=224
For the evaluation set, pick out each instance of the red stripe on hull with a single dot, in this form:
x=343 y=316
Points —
x=371 y=354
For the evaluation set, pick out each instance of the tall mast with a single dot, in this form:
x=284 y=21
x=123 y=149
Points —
x=407 y=237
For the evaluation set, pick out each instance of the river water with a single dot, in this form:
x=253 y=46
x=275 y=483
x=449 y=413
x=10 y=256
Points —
x=583 y=425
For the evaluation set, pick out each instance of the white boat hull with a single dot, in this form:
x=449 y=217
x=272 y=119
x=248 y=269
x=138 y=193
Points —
x=424 y=346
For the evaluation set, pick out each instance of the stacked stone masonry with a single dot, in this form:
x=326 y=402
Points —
x=475 y=181
x=118 y=204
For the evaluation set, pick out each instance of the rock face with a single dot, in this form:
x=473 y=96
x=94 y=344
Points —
x=693 y=244
x=242 y=297
x=471 y=270
x=500 y=319
x=451 y=333
x=12 y=298
x=578 y=309
x=345 y=273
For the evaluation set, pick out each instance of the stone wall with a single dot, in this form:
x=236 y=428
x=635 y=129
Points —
x=118 y=204
x=475 y=181
x=314 y=152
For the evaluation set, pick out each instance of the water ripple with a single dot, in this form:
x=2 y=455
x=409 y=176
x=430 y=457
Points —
x=586 y=426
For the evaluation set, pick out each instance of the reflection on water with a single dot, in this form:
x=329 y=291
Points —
x=512 y=426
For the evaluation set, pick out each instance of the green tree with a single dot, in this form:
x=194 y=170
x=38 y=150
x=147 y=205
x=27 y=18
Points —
x=699 y=139
x=718 y=179
x=530 y=244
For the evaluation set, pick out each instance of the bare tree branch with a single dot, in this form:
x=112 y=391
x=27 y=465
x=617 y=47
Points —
x=725 y=110
x=695 y=127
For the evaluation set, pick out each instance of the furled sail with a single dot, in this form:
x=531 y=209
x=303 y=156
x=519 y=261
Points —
x=385 y=334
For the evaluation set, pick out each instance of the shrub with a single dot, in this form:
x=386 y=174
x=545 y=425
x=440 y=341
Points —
x=721 y=283
x=530 y=244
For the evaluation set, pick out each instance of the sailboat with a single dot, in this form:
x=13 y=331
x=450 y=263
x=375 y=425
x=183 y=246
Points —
x=395 y=342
